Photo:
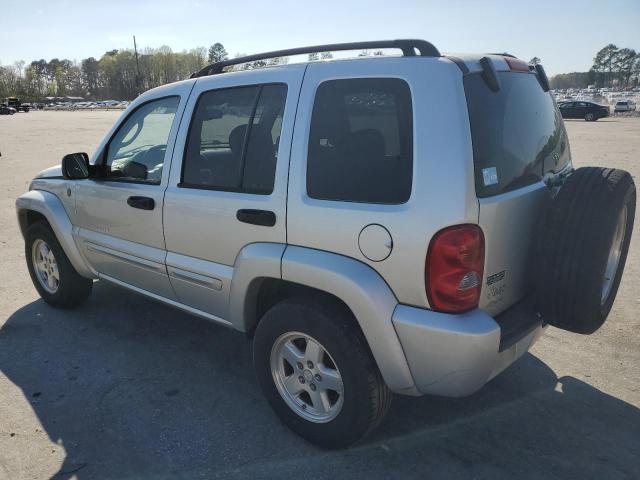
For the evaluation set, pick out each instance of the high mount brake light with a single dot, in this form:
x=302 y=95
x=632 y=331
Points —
x=454 y=269
x=517 y=65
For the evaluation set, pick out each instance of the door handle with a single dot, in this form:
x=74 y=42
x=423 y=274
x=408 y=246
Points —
x=264 y=218
x=143 y=203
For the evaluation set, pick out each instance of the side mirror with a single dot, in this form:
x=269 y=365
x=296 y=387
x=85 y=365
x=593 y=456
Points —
x=75 y=166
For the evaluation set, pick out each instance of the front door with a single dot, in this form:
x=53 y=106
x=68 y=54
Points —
x=229 y=189
x=569 y=110
x=582 y=109
x=119 y=215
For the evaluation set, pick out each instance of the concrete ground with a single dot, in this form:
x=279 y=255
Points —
x=125 y=388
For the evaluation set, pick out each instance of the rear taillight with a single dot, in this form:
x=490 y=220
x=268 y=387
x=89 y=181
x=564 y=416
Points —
x=454 y=268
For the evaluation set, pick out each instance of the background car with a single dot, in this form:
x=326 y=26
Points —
x=625 y=106
x=5 y=110
x=587 y=110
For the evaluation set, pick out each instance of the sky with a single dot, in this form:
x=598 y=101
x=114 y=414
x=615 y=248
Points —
x=565 y=34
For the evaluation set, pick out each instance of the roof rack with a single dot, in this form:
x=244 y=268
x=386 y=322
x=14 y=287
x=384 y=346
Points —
x=408 y=48
x=504 y=54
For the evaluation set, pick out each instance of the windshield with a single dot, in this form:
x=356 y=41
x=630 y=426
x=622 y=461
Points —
x=517 y=133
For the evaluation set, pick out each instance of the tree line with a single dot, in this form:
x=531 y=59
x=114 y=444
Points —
x=612 y=67
x=121 y=75
x=117 y=75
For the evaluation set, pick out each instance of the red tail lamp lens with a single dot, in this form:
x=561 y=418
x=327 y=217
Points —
x=454 y=269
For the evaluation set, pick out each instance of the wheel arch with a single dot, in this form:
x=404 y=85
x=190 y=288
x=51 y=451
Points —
x=267 y=292
x=37 y=205
x=267 y=273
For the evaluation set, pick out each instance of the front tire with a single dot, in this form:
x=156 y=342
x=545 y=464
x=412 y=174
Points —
x=589 y=117
x=316 y=371
x=55 y=279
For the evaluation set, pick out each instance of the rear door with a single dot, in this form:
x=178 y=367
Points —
x=518 y=138
x=228 y=181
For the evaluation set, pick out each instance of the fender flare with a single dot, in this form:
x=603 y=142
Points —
x=360 y=287
x=50 y=206
x=368 y=296
x=254 y=263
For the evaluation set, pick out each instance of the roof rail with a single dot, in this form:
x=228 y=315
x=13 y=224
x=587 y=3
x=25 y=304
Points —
x=408 y=48
x=504 y=54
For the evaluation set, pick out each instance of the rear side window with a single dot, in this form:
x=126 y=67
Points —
x=517 y=133
x=360 y=141
x=233 y=139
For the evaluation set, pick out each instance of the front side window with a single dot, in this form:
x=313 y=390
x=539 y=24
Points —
x=136 y=152
x=233 y=139
x=361 y=142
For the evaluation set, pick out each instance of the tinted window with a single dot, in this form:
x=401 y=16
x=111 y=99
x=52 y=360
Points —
x=233 y=139
x=360 y=142
x=517 y=133
x=136 y=152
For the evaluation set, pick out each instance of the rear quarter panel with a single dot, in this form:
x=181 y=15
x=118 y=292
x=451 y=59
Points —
x=442 y=188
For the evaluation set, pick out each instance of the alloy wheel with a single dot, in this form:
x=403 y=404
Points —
x=307 y=377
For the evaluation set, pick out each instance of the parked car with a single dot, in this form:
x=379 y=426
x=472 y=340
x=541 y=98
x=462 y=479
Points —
x=15 y=102
x=624 y=106
x=6 y=110
x=588 y=110
x=387 y=224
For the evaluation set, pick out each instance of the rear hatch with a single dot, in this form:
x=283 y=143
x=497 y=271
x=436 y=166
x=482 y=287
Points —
x=518 y=139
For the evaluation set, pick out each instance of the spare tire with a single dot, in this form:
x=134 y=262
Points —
x=583 y=247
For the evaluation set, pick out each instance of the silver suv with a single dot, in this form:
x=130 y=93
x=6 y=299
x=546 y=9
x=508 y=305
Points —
x=404 y=224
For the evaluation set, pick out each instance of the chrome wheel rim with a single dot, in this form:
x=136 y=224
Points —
x=589 y=116
x=613 y=260
x=307 y=377
x=45 y=266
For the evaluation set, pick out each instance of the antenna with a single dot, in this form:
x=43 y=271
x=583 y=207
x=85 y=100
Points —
x=135 y=49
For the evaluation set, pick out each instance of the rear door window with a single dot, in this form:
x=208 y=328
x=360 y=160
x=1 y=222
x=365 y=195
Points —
x=233 y=139
x=517 y=133
x=361 y=142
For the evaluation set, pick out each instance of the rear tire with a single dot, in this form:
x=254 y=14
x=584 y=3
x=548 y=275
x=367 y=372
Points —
x=365 y=398
x=583 y=248
x=55 y=279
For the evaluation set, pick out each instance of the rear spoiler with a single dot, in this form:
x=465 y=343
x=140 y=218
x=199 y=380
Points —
x=490 y=76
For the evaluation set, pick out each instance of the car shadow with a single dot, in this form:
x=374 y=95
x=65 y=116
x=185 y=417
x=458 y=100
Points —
x=134 y=389
x=605 y=120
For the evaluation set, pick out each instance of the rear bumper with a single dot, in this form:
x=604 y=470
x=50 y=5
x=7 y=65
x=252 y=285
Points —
x=455 y=355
